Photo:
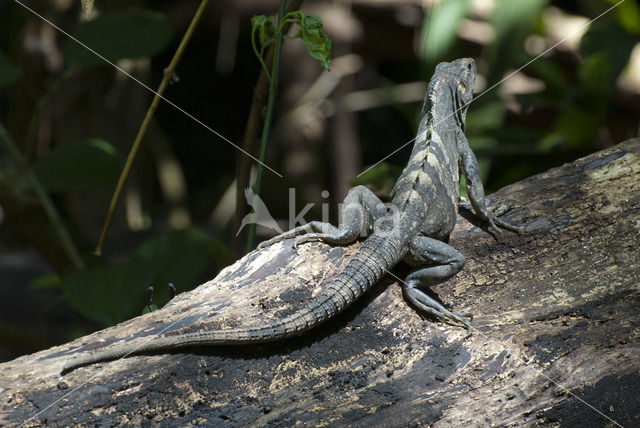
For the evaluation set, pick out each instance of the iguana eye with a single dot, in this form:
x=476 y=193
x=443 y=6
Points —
x=461 y=86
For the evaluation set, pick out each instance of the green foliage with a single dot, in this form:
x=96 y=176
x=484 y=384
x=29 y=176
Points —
x=582 y=106
x=596 y=73
x=107 y=294
x=45 y=282
x=9 y=72
x=266 y=31
x=381 y=176
x=574 y=126
x=84 y=165
x=628 y=13
x=563 y=118
x=511 y=18
x=319 y=47
x=219 y=252
x=611 y=41
x=150 y=308
x=555 y=79
x=440 y=28
x=490 y=116
x=177 y=256
x=128 y=34
x=317 y=43
x=512 y=21
x=113 y=293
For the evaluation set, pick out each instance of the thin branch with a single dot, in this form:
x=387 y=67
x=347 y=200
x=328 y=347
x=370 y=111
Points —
x=249 y=144
x=273 y=91
x=169 y=75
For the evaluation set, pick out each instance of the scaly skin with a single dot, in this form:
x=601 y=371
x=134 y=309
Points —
x=413 y=227
x=361 y=273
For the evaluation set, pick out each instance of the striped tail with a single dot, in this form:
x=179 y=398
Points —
x=366 y=267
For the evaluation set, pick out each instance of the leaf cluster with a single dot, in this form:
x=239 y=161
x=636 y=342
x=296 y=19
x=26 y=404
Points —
x=310 y=31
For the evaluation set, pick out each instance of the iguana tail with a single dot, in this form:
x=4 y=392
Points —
x=368 y=265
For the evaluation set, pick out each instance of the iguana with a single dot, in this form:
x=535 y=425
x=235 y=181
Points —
x=422 y=214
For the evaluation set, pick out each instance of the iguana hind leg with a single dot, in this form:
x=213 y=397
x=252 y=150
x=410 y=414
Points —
x=360 y=209
x=442 y=262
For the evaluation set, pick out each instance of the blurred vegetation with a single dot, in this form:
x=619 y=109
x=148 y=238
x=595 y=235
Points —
x=68 y=119
x=271 y=33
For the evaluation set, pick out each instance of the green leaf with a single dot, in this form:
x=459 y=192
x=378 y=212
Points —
x=511 y=17
x=9 y=72
x=45 y=282
x=513 y=21
x=109 y=294
x=178 y=256
x=84 y=165
x=550 y=141
x=551 y=73
x=608 y=39
x=485 y=144
x=576 y=126
x=266 y=29
x=440 y=27
x=149 y=308
x=219 y=252
x=318 y=44
x=595 y=73
x=116 y=292
x=628 y=15
x=381 y=177
x=119 y=35
x=488 y=115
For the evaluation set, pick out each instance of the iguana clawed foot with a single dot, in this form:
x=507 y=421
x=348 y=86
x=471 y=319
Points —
x=293 y=233
x=315 y=231
x=430 y=306
x=500 y=210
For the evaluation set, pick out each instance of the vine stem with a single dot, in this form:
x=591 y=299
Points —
x=273 y=88
x=169 y=75
x=45 y=200
x=259 y=54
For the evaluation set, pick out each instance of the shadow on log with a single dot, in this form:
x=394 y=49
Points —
x=557 y=340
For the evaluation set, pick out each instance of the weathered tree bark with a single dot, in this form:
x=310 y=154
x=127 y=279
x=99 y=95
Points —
x=557 y=340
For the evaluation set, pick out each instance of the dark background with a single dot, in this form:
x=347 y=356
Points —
x=175 y=219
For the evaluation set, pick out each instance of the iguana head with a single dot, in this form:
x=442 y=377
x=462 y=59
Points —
x=462 y=73
x=456 y=78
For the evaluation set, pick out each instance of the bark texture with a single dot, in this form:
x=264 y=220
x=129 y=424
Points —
x=557 y=340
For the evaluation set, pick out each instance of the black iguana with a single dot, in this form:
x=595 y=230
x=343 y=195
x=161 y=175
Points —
x=422 y=214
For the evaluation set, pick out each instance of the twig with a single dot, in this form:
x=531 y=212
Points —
x=250 y=139
x=273 y=90
x=169 y=74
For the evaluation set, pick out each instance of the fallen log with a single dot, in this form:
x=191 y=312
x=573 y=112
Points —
x=557 y=338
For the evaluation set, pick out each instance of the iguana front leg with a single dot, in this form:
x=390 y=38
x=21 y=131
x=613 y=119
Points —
x=469 y=166
x=443 y=261
x=361 y=208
